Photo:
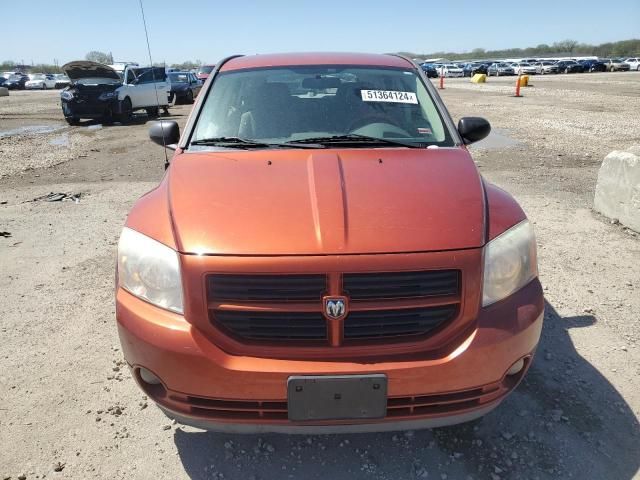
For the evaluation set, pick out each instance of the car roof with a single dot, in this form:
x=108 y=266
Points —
x=326 y=58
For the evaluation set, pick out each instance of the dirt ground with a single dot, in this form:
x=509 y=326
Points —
x=70 y=409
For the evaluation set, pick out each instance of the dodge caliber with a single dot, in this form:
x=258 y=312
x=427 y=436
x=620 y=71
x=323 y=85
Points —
x=323 y=256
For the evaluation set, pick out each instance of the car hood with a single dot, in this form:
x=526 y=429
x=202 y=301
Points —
x=319 y=202
x=86 y=69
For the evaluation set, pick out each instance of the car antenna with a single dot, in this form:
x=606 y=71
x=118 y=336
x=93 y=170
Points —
x=155 y=86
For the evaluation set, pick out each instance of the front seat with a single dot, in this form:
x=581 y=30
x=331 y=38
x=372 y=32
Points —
x=269 y=112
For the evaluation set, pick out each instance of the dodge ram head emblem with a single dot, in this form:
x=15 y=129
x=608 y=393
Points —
x=335 y=308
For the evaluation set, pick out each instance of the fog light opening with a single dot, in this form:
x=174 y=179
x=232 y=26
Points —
x=150 y=383
x=516 y=367
x=149 y=377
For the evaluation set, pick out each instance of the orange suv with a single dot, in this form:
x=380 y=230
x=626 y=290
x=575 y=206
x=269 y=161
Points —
x=323 y=256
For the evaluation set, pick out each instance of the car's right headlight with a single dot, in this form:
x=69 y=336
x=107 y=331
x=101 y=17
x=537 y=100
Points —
x=509 y=263
x=149 y=270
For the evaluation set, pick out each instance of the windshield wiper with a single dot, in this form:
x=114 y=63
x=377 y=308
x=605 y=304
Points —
x=238 y=142
x=354 y=138
x=230 y=142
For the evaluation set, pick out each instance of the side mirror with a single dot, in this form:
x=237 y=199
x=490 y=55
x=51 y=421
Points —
x=165 y=133
x=473 y=129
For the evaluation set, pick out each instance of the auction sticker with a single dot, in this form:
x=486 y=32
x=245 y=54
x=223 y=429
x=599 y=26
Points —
x=388 y=96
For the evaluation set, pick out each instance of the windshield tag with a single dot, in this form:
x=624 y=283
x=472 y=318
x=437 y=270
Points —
x=388 y=96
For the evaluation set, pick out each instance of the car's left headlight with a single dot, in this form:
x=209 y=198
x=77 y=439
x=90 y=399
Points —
x=149 y=270
x=509 y=263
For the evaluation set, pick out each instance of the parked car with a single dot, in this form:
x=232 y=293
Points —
x=204 y=71
x=98 y=91
x=545 y=67
x=634 y=63
x=569 y=66
x=61 y=80
x=523 y=68
x=430 y=70
x=616 y=65
x=500 y=68
x=40 y=81
x=6 y=75
x=593 y=65
x=249 y=300
x=470 y=69
x=450 y=70
x=2 y=81
x=16 y=81
x=183 y=86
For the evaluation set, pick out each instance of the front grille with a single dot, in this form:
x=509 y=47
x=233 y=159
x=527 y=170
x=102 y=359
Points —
x=393 y=323
x=364 y=286
x=273 y=325
x=270 y=288
x=287 y=309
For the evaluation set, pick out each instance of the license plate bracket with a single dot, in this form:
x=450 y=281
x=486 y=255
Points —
x=339 y=397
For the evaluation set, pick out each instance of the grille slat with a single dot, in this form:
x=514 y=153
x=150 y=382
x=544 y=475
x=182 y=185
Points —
x=387 y=323
x=271 y=288
x=273 y=325
x=361 y=286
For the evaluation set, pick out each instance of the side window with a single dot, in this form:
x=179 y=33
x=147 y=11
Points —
x=152 y=75
x=130 y=76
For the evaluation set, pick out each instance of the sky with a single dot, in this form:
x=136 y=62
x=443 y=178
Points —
x=207 y=30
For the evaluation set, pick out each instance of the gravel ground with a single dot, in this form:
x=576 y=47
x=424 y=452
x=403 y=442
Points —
x=69 y=408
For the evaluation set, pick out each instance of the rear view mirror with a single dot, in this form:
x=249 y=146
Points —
x=165 y=133
x=473 y=129
x=321 y=83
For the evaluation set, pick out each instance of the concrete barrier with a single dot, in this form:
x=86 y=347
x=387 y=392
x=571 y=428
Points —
x=479 y=78
x=618 y=188
x=4 y=92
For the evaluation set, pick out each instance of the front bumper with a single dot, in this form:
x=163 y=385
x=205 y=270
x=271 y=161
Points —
x=90 y=109
x=203 y=385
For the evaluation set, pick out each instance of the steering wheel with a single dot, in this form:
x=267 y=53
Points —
x=373 y=118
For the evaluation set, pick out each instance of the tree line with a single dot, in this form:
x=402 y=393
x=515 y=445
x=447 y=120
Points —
x=565 y=48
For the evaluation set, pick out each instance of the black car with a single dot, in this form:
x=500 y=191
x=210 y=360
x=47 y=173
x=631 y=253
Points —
x=593 y=65
x=92 y=92
x=430 y=70
x=569 y=66
x=470 y=69
x=184 y=86
x=16 y=81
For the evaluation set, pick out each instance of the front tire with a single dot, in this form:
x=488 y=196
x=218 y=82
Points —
x=189 y=97
x=73 y=121
x=44 y=86
x=126 y=111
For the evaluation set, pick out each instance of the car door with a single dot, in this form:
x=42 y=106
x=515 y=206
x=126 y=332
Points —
x=197 y=86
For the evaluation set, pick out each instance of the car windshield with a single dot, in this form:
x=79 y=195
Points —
x=178 y=78
x=205 y=69
x=289 y=104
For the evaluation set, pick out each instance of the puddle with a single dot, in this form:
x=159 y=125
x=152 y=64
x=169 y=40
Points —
x=496 y=140
x=60 y=140
x=30 y=130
